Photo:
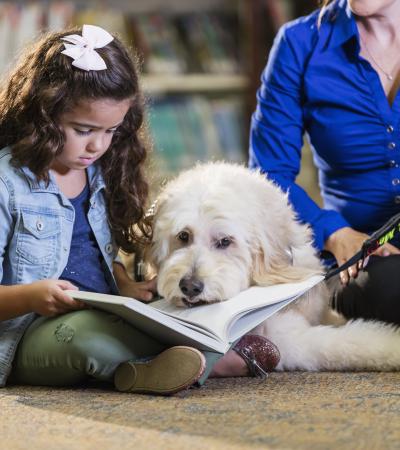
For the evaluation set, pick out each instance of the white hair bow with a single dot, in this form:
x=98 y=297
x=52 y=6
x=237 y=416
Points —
x=82 y=48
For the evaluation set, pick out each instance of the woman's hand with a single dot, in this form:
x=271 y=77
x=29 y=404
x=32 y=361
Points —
x=140 y=290
x=47 y=297
x=345 y=242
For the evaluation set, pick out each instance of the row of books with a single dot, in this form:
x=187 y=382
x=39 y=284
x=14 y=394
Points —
x=179 y=43
x=186 y=130
x=197 y=42
x=21 y=22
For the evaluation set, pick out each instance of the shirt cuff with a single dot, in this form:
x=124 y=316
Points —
x=325 y=225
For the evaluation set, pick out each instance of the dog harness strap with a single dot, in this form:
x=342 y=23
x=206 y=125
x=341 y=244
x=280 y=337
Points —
x=380 y=237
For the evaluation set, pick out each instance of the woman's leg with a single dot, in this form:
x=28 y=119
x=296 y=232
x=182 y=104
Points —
x=374 y=294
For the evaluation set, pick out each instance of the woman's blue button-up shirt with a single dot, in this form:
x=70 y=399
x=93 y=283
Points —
x=317 y=83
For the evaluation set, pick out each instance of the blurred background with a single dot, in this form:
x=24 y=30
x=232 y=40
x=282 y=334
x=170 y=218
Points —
x=200 y=64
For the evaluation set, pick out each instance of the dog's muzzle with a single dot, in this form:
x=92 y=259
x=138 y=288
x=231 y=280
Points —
x=191 y=287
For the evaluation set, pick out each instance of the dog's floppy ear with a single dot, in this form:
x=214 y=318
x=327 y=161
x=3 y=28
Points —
x=284 y=254
x=158 y=248
x=143 y=269
x=276 y=269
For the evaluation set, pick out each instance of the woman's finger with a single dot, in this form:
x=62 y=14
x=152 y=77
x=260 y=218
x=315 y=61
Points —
x=353 y=271
x=344 y=277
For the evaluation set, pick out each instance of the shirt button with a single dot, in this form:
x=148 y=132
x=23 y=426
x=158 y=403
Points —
x=109 y=247
x=390 y=128
x=395 y=181
x=391 y=145
x=39 y=225
x=65 y=249
x=397 y=199
x=392 y=163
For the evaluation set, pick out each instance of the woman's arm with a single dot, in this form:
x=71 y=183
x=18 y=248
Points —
x=277 y=127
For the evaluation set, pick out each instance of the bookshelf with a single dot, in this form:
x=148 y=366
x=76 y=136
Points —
x=200 y=64
x=187 y=83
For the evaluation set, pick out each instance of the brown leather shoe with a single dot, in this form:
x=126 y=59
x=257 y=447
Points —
x=171 y=371
x=259 y=353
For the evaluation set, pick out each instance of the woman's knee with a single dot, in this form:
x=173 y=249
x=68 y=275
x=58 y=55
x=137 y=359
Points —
x=374 y=294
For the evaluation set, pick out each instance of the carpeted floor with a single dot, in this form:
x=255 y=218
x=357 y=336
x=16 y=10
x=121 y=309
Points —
x=287 y=411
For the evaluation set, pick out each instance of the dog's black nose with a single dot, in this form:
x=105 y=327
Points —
x=191 y=286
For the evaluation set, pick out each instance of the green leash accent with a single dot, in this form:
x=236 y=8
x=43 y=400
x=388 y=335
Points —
x=380 y=237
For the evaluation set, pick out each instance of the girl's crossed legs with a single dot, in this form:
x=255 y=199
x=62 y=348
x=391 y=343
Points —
x=74 y=347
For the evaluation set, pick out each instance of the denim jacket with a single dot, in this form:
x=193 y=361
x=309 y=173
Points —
x=36 y=223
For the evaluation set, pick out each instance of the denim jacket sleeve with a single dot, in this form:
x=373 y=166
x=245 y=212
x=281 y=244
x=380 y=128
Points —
x=6 y=222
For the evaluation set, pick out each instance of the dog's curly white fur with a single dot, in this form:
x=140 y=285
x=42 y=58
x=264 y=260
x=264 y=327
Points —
x=220 y=228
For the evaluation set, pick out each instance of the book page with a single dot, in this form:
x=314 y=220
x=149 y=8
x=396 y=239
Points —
x=205 y=327
x=162 y=327
x=251 y=319
x=218 y=317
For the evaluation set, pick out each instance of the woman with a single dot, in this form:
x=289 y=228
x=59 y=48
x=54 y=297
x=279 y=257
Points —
x=335 y=75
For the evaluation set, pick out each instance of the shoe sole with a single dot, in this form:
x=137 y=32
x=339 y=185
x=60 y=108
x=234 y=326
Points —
x=171 y=371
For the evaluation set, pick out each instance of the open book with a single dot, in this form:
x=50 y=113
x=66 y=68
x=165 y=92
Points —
x=211 y=327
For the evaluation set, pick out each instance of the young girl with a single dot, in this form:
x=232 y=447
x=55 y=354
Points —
x=71 y=189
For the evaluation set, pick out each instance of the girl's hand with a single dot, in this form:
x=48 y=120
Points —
x=345 y=242
x=47 y=297
x=140 y=290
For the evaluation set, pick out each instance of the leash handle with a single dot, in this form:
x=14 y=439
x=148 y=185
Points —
x=378 y=238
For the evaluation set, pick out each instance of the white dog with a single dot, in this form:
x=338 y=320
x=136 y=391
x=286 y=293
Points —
x=220 y=228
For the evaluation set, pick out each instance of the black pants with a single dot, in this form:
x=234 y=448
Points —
x=374 y=294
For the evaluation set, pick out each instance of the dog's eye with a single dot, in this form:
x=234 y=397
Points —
x=183 y=236
x=223 y=243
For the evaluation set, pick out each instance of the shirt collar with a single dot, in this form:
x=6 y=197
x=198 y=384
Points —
x=95 y=177
x=344 y=27
x=39 y=185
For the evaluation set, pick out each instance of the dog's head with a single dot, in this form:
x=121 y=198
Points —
x=220 y=228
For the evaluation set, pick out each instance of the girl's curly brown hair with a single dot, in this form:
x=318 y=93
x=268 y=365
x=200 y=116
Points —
x=45 y=85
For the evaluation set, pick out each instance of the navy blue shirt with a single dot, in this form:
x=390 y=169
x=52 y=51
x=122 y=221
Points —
x=317 y=83
x=85 y=262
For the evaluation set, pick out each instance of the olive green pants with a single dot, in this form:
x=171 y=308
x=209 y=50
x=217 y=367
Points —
x=74 y=347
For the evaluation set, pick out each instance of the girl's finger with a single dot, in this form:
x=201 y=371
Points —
x=64 y=284
x=66 y=301
x=149 y=285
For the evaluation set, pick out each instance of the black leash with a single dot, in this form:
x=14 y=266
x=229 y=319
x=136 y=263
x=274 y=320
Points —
x=380 y=237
